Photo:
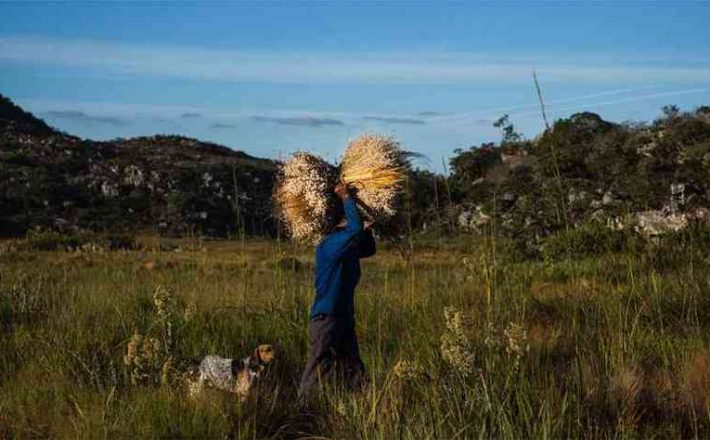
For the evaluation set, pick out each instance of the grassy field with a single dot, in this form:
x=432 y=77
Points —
x=460 y=342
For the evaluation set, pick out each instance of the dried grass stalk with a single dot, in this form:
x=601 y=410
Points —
x=304 y=196
x=377 y=167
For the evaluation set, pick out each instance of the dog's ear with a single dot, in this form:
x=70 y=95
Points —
x=255 y=359
x=237 y=366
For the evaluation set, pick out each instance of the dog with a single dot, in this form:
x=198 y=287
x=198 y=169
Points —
x=237 y=376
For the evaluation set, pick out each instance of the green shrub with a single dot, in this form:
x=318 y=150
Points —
x=120 y=241
x=49 y=240
x=691 y=245
x=589 y=239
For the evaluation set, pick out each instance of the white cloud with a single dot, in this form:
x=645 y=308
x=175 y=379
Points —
x=77 y=115
x=557 y=107
x=203 y=63
x=303 y=121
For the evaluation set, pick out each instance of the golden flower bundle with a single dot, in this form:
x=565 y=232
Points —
x=374 y=165
x=304 y=196
x=377 y=167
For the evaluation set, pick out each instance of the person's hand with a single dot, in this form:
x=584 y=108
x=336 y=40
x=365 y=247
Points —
x=342 y=190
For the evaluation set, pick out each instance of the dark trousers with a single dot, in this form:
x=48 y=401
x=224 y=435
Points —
x=334 y=354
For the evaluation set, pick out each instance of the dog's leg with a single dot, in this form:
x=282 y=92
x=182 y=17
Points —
x=195 y=387
x=243 y=385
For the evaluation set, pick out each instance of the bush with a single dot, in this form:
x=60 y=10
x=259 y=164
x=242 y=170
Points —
x=119 y=241
x=48 y=240
x=679 y=248
x=590 y=239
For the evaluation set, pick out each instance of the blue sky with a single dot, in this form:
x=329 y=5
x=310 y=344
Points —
x=270 y=78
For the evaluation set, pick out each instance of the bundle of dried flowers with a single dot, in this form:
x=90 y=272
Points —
x=304 y=196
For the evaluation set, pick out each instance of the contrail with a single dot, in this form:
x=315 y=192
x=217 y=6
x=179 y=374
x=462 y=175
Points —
x=620 y=101
x=532 y=106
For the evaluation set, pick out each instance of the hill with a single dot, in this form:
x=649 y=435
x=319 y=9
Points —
x=582 y=171
x=173 y=184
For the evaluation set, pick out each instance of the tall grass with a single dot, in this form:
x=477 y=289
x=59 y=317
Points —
x=615 y=345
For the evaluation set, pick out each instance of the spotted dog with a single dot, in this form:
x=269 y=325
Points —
x=236 y=376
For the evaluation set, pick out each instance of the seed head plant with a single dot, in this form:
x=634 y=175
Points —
x=377 y=166
x=304 y=196
x=142 y=358
x=408 y=370
x=456 y=347
x=516 y=342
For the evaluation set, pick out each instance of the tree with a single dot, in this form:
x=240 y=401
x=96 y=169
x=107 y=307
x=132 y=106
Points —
x=670 y=111
x=507 y=130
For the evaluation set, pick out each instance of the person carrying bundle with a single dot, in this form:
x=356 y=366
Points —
x=309 y=208
x=334 y=348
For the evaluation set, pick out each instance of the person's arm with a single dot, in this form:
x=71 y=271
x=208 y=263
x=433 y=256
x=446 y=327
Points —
x=366 y=247
x=352 y=216
x=338 y=243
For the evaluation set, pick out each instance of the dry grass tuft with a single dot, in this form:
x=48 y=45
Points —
x=374 y=165
x=545 y=335
x=627 y=387
x=590 y=378
x=697 y=382
x=576 y=289
x=304 y=196
x=377 y=167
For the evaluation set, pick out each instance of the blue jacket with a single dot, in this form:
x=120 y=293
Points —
x=338 y=265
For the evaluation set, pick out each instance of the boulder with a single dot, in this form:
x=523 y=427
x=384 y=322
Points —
x=473 y=219
x=657 y=222
x=677 y=196
x=609 y=199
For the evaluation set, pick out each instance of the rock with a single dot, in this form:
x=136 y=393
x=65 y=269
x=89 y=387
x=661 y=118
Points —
x=507 y=221
x=677 y=197
x=473 y=219
x=109 y=190
x=609 y=199
x=508 y=199
x=588 y=121
x=576 y=196
x=657 y=222
x=598 y=215
x=134 y=176
x=699 y=216
x=615 y=223
x=513 y=159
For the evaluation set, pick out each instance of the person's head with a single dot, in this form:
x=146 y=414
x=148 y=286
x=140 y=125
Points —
x=337 y=215
x=337 y=212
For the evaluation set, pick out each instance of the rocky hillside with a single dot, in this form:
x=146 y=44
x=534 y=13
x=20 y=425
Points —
x=583 y=170
x=652 y=178
x=171 y=184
